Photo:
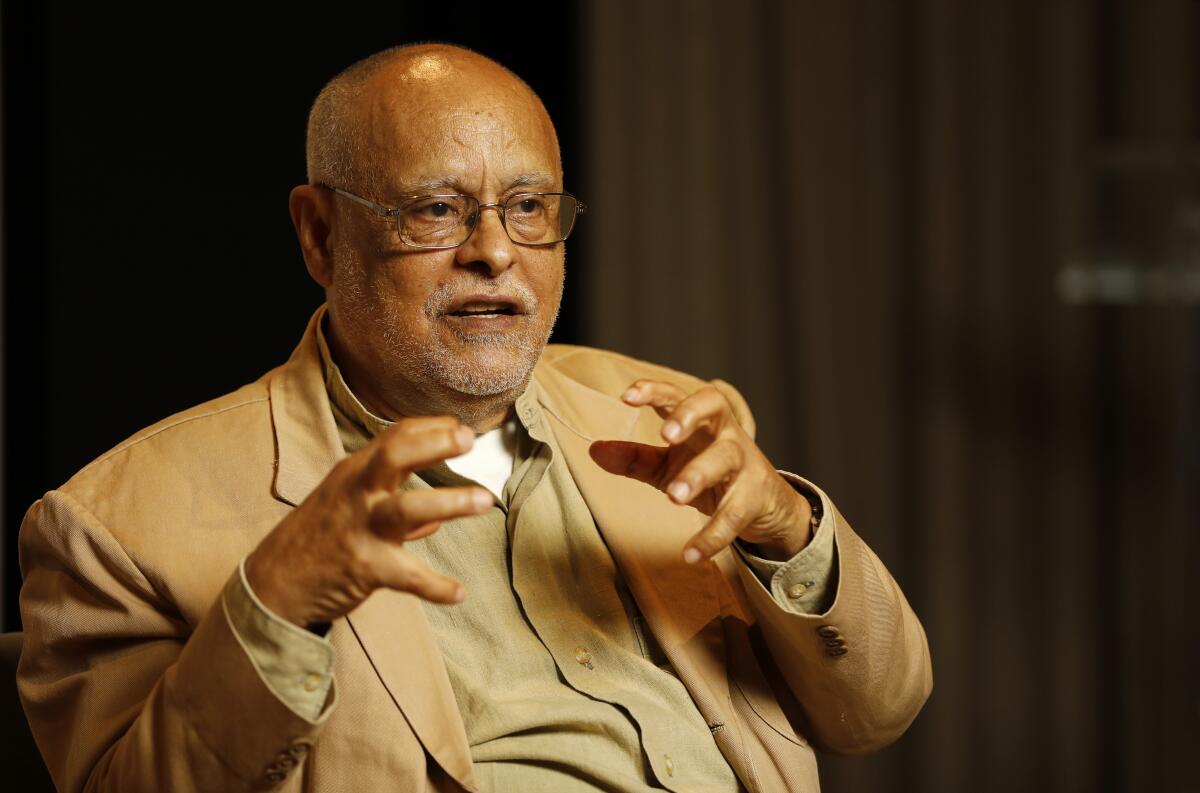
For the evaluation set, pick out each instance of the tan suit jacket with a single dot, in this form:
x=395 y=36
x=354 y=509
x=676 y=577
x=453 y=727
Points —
x=134 y=681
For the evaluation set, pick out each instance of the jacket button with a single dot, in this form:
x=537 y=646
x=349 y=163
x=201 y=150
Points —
x=796 y=591
x=273 y=778
x=828 y=632
x=836 y=651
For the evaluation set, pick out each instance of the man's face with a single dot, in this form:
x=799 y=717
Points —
x=471 y=320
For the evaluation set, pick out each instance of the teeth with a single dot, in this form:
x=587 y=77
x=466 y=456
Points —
x=477 y=310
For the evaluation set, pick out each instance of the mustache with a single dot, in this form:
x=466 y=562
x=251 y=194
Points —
x=446 y=295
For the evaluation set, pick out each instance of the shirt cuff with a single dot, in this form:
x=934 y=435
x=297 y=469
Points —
x=296 y=665
x=806 y=583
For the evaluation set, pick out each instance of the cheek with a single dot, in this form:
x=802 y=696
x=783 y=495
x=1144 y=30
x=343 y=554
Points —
x=547 y=277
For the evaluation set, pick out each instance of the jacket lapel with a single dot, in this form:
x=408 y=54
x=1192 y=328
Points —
x=645 y=533
x=390 y=626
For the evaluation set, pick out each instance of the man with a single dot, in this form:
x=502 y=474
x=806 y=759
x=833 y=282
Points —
x=430 y=552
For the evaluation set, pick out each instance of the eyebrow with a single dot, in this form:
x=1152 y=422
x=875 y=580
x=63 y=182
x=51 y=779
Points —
x=431 y=185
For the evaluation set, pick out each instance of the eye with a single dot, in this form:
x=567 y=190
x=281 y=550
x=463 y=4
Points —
x=437 y=209
x=527 y=206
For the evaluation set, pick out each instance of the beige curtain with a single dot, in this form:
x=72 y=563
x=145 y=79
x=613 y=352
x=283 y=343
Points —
x=858 y=213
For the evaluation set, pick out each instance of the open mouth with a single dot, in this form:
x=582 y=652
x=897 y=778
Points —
x=485 y=310
x=482 y=306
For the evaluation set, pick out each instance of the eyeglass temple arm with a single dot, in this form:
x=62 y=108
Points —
x=380 y=208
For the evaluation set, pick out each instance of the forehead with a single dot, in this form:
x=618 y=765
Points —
x=479 y=127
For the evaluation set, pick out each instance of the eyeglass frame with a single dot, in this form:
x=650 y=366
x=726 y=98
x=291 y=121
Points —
x=394 y=212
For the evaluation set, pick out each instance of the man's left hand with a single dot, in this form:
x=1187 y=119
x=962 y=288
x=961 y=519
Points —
x=713 y=465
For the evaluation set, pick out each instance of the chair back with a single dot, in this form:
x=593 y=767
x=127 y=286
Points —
x=23 y=767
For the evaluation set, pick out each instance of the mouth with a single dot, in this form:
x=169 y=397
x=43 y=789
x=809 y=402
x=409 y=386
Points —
x=498 y=310
x=486 y=307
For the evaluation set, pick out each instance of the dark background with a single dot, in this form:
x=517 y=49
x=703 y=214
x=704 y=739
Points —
x=150 y=263
x=949 y=251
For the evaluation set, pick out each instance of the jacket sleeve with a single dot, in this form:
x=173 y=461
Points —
x=121 y=693
x=861 y=670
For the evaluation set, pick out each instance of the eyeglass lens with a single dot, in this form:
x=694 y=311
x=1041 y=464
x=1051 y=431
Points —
x=447 y=220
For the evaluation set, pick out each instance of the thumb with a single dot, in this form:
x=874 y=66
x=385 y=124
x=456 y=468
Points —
x=638 y=461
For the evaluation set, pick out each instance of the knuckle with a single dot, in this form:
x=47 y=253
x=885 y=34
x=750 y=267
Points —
x=344 y=468
x=732 y=451
x=359 y=562
x=735 y=516
x=389 y=511
x=408 y=575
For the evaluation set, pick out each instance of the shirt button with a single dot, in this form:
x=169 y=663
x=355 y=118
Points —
x=312 y=681
x=669 y=765
x=298 y=750
x=796 y=591
x=583 y=657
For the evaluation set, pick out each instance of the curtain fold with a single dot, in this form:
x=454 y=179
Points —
x=857 y=213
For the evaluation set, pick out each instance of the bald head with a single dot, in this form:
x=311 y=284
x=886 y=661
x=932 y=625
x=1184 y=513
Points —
x=365 y=115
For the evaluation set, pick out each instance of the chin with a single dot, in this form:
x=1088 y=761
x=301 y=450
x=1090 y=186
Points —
x=486 y=371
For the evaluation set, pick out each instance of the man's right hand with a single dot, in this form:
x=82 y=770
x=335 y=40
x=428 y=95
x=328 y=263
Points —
x=346 y=539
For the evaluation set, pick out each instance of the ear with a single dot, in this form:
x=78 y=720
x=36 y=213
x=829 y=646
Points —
x=312 y=211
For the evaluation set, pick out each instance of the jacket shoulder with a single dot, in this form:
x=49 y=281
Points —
x=213 y=430
x=610 y=372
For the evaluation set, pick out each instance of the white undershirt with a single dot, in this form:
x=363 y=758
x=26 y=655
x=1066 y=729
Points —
x=490 y=460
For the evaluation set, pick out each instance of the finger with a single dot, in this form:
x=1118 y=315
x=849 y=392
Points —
x=717 y=464
x=402 y=572
x=413 y=426
x=400 y=515
x=634 y=460
x=410 y=426
x=731 y=517
x=401 y=453
x=705 y=408
x=663 y=397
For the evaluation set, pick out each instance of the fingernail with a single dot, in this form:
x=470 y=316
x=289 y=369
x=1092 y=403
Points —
x=460 y=595
x=465 y=436
x=629 y=394
x=679 y=491
x=691 y=555
x=481 y=499
x=671 y=430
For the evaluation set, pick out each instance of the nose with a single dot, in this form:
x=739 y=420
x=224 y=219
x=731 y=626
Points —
x=489 y=246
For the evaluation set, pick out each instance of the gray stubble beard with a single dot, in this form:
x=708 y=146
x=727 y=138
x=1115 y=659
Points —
x=434 y=369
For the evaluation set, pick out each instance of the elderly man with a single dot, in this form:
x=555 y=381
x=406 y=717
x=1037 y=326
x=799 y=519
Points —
x=430 y=552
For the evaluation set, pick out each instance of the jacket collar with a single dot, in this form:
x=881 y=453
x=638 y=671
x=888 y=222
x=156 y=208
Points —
x=306 y=437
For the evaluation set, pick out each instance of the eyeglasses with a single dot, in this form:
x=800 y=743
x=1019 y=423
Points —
x=447 y=221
